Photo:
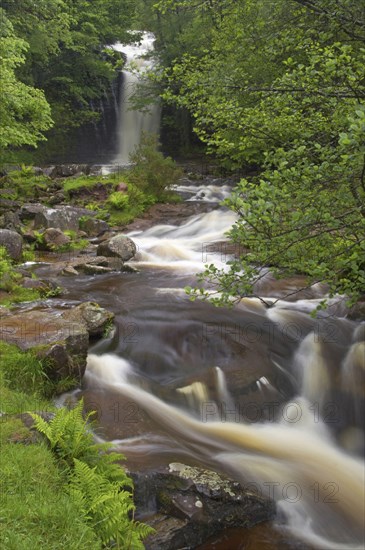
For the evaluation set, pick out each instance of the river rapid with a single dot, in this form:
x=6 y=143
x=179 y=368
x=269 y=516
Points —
x=270 y=396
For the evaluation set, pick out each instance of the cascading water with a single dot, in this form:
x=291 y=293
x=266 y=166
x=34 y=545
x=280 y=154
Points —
x=271 y=396
x=131 y=123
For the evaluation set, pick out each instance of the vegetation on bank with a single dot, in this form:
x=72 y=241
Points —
x=62 y=490
x=278 y=87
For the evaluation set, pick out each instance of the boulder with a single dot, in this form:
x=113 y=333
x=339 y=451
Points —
x=191 y=504
x=54 y=238
x=93 y=227
x=119 y=246
x=29 y=211
x=60 y=217
x=13 y=243
x=122 y=187
x=57 y=198
x=95 y=318
x=68 y=170
x=59 y=337
x=55 y=339
x=8 y=204
x=10 y=220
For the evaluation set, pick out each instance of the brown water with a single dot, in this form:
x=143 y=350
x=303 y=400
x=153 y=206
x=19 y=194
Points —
x=270 y=396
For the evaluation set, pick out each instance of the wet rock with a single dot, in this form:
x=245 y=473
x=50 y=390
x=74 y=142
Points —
x=191 y=504
x=13 y=243
x=59 y=337
x=95 y=318
x=63 y=343
x=90 y=269
x=69 y=270
x=120 y=246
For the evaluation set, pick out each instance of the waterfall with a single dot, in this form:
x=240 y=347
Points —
x=131 y=123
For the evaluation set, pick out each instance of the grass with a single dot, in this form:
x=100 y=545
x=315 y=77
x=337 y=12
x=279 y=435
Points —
x=37 y=510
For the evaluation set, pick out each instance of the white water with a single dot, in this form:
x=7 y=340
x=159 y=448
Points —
x=188 y=247
x=294 y=458
x=132 y=123
x=328 y=482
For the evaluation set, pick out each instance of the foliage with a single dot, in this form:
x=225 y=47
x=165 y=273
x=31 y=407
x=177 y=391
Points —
x=36 y=509
x=97 y=483
x=151 y=172
x=10 y=282
x=281 y=87
x=60 y=47
x=21 y=370
x=24 y=111
x=118 y=200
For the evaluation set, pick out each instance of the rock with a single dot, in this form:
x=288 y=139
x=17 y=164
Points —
x=60 y=338
x=61 y=217
x=4 y=311
x=63 y=343
x=13 y=243
x=69 y=270
x=122 y=187
x=64 y=219
x=39 y=284
x=192 y=504
x=48 y=170
x=89 y=269
x=10 y=220
x=93 y=227
x=57 y=198
x=120 y=246
x=29 y=211
x=67 y=170
x=357 y=311
x=54 y=238
x=95 y=318
x=8 y=204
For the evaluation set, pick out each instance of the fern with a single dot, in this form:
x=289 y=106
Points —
x=107 y=508
x=97 y=481
x=67 y=433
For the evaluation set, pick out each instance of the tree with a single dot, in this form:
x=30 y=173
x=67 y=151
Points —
x=68 y=57
x=282 y=87
x=24 y=111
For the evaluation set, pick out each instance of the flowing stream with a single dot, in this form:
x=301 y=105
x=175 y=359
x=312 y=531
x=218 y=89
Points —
x=271 y=396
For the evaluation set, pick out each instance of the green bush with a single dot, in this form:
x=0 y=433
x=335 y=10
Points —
x=152 y=172
x=118 y=200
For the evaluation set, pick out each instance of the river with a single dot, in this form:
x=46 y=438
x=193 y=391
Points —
x=269 y=395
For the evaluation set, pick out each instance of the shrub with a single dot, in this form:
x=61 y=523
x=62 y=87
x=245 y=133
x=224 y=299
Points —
x=118 y=200
x=152 y=172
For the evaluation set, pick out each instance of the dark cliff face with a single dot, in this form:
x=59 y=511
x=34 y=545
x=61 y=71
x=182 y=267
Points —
x=95 y=142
